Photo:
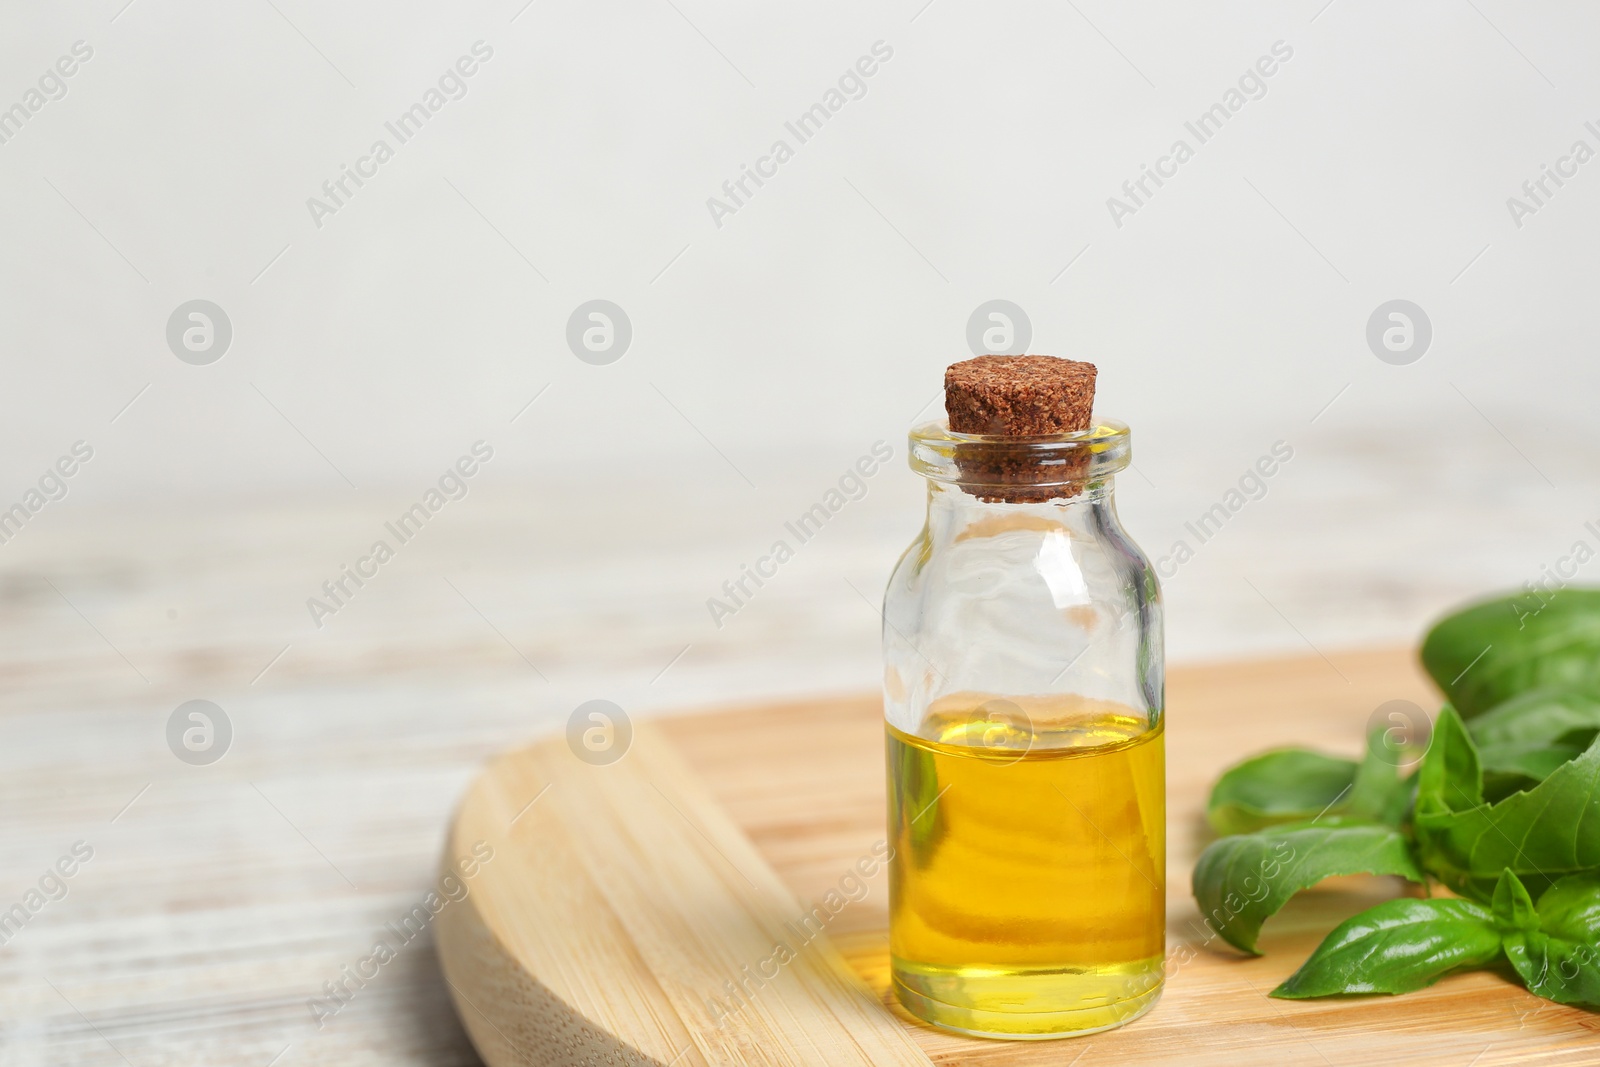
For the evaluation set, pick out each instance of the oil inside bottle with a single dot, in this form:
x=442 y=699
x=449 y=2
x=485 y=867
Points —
x=1027 y=890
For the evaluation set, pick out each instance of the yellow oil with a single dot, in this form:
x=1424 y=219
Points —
x=1028 y=884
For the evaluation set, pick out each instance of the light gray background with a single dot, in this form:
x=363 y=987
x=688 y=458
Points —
x=1228 y=313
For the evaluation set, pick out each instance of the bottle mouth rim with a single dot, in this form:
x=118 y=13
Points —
x=940 y=454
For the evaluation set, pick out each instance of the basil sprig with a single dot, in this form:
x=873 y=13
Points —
x=1504 y=812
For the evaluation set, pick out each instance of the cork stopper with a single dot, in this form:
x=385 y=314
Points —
x=1019 y=396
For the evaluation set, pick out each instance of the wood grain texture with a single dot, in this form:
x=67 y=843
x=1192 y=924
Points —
x=628 y=895
x=625 y=900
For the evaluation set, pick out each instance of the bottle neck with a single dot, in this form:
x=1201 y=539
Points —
x=1057 y=471
x=952 y=496
x=956 y=512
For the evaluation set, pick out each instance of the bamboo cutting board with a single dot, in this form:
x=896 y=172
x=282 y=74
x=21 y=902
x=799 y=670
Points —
x=630 y=912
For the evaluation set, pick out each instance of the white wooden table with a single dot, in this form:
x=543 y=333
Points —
x=221 y=898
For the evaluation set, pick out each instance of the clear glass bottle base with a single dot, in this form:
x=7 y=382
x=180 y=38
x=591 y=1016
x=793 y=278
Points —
x=1028 y=1005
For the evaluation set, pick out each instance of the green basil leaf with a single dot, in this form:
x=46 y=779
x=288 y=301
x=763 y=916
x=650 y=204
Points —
x=1513 y=907
x=1541 y=834
x=1491 y=652
x=1559 y=959
x=1240 y=882
x=1511 y=769
x=1285 y=785
x=1535 y=761
x=1450 y=778
x=1497 y=785
x=1379 y=793
x=1523 y=740
x=1571 y=908
x=1540 y=716
x=1554 y=968
x=1396 y=947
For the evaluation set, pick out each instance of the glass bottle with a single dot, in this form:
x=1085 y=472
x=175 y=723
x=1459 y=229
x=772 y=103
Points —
x=1023 y=697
